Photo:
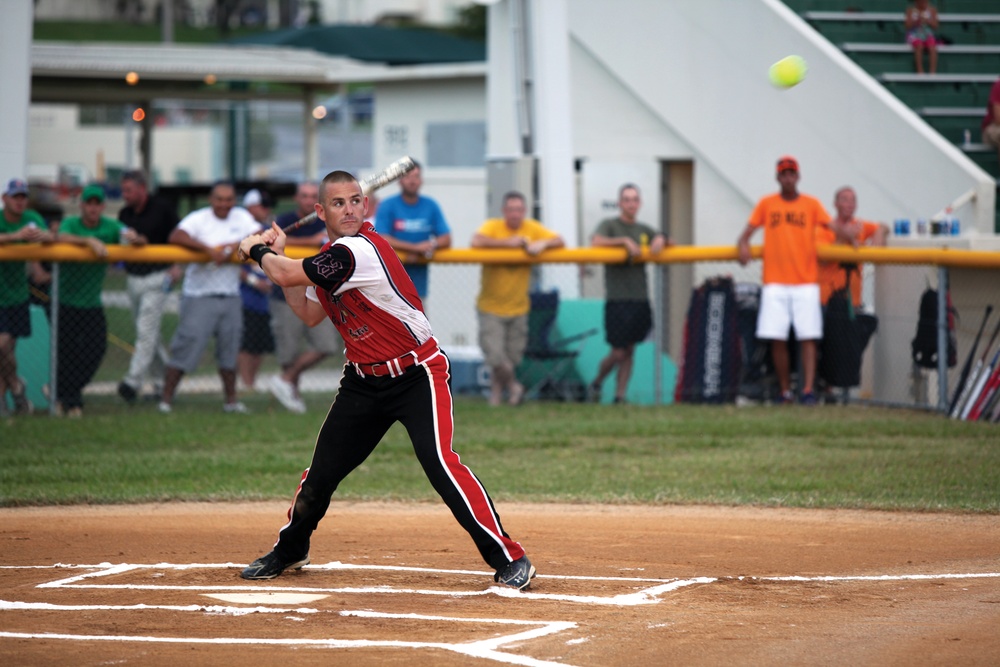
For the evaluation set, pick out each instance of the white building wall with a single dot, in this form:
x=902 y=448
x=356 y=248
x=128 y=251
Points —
x=431 y=12
x=15 y=82
x=402 y=112
x=697 y=84
x=56 y=139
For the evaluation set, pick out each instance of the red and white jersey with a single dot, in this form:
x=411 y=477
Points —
x=365 y=291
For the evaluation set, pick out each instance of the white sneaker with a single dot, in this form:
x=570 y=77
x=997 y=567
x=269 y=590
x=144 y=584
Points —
x=164 y=408
x=236 y=408
x=285 y=393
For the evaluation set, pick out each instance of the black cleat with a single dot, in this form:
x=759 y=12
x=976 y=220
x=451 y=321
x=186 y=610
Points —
x=270 y=566
x=517 y=574
x=127 y=392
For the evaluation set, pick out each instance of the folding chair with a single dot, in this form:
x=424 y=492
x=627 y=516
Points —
x=548 y=370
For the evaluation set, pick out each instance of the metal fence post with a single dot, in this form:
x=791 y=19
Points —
x=942 y=339
x=658 y=331
x=54 y=340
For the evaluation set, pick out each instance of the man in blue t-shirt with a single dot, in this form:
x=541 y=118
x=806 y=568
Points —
x=414 y=226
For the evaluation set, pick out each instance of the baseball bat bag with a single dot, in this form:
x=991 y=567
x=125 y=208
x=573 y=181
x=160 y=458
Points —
x=712 y=363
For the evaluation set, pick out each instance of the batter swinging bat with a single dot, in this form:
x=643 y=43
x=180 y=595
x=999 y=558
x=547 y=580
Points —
x=380 y=179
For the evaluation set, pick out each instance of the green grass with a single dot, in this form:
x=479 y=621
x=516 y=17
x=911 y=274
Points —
x=827 y=457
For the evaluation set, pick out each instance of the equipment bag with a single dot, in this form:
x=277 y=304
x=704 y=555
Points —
x=924 y=345
x=710 y=372
x=845 y=337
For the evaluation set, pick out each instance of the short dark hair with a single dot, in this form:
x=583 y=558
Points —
x=513 y=194
x=338 y=176
x=137 y=176
x=628 y=186
x=222 y=184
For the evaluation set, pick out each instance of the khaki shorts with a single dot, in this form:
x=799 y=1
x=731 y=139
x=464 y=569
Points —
x=289 y=332
x=503 y=339
x=204 y=318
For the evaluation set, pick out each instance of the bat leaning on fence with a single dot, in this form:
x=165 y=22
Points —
x=985 y=398
x=974 y=377
x=982 y=376
x=963 y=377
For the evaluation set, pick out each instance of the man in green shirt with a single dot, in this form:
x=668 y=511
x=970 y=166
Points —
x=18 y=224
x=627 y=315
x=83 y=330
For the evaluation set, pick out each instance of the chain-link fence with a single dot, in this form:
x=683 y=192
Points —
x=695 y=342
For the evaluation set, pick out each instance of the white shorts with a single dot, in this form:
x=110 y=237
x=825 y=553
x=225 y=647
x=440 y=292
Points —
x=784 y=306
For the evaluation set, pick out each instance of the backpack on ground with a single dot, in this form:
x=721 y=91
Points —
x=845 y=336
x=924 y=347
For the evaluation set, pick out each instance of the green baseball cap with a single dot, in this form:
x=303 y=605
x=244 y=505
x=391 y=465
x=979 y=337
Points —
x=92 y=192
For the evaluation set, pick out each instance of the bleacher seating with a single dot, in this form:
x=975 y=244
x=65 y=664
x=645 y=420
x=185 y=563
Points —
x=952 y=101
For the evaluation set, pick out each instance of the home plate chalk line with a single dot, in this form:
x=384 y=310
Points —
x=271 y=601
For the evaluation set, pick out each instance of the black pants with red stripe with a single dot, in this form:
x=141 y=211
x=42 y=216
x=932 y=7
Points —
x=364 y=410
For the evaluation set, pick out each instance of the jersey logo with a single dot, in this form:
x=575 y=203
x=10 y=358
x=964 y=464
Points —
x=327 y=265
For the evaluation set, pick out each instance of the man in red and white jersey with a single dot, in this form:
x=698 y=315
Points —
x=395 y=371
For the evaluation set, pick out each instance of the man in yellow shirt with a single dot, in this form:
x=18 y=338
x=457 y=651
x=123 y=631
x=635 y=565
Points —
x=503 y=302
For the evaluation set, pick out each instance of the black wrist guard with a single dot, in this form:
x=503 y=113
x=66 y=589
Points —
x=258 y=251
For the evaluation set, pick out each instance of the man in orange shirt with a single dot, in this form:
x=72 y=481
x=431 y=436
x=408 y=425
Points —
x=847 y=230
x=790 y=295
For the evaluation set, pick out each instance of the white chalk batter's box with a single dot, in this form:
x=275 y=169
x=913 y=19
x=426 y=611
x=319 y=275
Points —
x=222 y=579
x=140 y=603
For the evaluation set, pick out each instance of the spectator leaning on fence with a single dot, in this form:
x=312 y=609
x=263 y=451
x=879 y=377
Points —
x=503 y=302
x=991 y=121
x=414 y=225
x=628 y=317
x=83 y=329
x=18 y=224
x=790 y=295
x=210 y=303
x=147 y=284
x=847 y=230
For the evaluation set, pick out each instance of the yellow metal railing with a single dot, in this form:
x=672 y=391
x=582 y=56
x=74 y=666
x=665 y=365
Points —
x=63 y=252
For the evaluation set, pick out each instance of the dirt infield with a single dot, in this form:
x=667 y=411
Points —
x=401 y=584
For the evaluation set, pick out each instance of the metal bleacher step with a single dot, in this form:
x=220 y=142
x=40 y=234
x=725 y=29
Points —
x=943 y=18
x=952 y=101
x=911 y=77
x=958 y=28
